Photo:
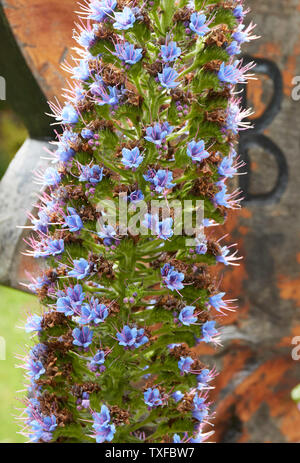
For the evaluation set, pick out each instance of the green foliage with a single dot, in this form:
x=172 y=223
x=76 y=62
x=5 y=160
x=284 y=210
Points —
x=13 y=304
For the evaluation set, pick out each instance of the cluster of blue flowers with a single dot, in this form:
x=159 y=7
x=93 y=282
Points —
x=41 y=426
x=132 y=338
x=133 y=121
x=171 y=278
x=160 y=180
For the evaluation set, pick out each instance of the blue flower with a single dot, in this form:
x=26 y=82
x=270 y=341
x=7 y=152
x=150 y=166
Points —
x=167 y=77
x=98 y=361
x=198 y=24
x=108 y=235
x=149 y=176
x=226 y=168
x=204 y=377
x=201 y=245
x=81 y=269
x=86 y=315
x=177 y=396
x=218 y=303
x=76 y=295
x=221 y=198
x=176 y=439
x=131 y=337
x=131 y=158
x=64 y=305
x=78 y=94
x=167 y=268
x=103 y=430
x=226 y=258
x=103 y=95
x=64 y=154
x=233 y=48
x=185 y=364
x=124 y=20
x=234 y=118
x=151 y=221
x=105 y=433
x=165 y=126
x=136 y=196
x=51 y=177
x=97 y=87
x=187 y=316
x=127 y=336
x=73 y=221
x=152 y=398
x=229 y=74
x=209 y=331
x=165 y=231
x=87 y=134
x=162 y=229
x=111 y=97
x=43 y=428
x=100 y=9
x=196 y=151
x=172 y=278
x=35 y=369
x=82 y=337
x=41 y=224
x=39 y=283
x=200 y=411
x=239 y=12
x=82 y=71
x=241 y=35
x=84 y=401
x=99 y=357
x=92 y=174
x=170 y=52
x=38 y=351
x=101 y=418
x=33 y=324
x=54 y=248
x=141 y=339
x=69 y=114
x=86 y=38
x=99 y=311
x=163 y=180
x=158 y=133
x=127 y=53
x=33 y=408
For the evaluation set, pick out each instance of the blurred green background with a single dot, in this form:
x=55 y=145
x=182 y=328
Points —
x=13 y=308
x=12 y=136
x=13 y=304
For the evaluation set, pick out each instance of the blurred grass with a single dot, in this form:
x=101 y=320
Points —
x=13 y=304
x=13 y=308
x=12 y=136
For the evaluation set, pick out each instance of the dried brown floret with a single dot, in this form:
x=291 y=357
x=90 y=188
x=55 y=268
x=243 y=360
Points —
x=217 y=115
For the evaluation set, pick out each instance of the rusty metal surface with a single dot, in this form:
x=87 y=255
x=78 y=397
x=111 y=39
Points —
x=257 y=372
x=43 y=30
